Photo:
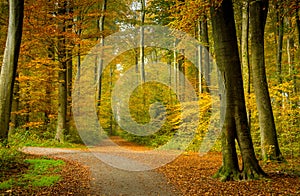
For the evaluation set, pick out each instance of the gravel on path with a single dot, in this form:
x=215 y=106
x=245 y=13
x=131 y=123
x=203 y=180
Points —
x=111 y=181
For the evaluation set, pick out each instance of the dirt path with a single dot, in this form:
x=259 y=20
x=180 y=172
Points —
x=108 y=180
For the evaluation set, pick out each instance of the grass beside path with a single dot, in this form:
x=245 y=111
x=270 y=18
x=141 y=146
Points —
x=22 y=174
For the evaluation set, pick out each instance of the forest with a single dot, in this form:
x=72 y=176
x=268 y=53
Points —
x=215 y=82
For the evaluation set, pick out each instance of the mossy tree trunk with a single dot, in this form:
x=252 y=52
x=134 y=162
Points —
x=235 y=126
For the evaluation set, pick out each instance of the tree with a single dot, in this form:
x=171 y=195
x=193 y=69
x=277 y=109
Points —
x=100 y=66
x=235 y=127
x=280 y=30
x=142 y=47
x=62 y=74
x=245 y=51
x=10 y=63
x=269 y=142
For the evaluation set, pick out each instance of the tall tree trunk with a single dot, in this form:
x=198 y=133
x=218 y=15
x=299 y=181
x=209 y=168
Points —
x=69 y=59
x=298 y=22
x=280 y=28
x=205 y=52
x=199 y=55
x=235 y=124
x=203 y=57
x=245 y=51
x=175 y=67
x=100 y=66
x=269 y=142
x=290 y=48
x=62 y=75
x=10 y=63
x=291 y=60
x=142 y=47
x=47 y=111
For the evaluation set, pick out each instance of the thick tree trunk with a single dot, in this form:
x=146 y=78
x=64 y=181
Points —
x=235 y=124
x=269 y=142
x=62 y=102
x=62 y=76
x=10 y=62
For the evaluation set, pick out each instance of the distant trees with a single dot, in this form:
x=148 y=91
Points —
x=58 y=34
x=10 y=63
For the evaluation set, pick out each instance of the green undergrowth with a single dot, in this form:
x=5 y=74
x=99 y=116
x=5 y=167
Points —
x=19 y=170
x=30 y=138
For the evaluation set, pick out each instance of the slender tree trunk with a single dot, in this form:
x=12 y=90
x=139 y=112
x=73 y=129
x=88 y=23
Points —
x=15 y=106
x=100 y=66
x=245 y=51
x=110 y=91
x=235 y=124
x=269 y=142
x=69 y=59
x=181 y=76
x=10 y=63
x=142 y=47
x=290 y=48
x=298 y=23
x=175 y=67
x=205 y=52
x=199 y=55
x=47 y=111
x=280 y=22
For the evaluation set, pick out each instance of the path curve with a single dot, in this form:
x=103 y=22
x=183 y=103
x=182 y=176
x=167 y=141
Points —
x=111 y=181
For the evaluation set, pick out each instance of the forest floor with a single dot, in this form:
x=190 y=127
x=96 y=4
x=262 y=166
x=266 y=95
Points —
x=189 y=174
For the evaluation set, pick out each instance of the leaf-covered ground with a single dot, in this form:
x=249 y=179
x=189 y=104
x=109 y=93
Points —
x=191 y=174
x=75 y=181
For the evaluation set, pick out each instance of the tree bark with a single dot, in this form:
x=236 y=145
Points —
x=100 y=66
x=245 y=51
x=235 y=124
x=15 y=107
x=142 y=47
x=269 y=142
x=205 y=52
x=10 y=63
x=298 y=23
x=69 y=59
x=280 y=40
x=199 y=55
x=290 y=48
x=62 y=76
